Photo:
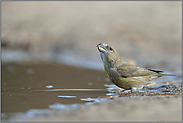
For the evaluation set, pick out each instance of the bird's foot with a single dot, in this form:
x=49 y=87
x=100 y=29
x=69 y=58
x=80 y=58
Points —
x=124 y=91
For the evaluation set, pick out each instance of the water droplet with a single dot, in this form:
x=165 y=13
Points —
x=90 y=83
x=49 y=86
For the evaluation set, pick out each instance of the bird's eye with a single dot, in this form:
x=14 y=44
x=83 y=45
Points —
x=111 y=48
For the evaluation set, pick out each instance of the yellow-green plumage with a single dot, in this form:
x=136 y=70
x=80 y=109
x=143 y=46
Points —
x=122 y=74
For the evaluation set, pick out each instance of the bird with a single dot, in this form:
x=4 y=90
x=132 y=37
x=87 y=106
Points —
x=125 y=75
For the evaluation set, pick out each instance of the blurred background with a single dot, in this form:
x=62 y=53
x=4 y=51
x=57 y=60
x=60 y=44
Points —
x=148 y=32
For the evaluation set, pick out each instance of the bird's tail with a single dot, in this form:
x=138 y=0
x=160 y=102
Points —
x=159 y=75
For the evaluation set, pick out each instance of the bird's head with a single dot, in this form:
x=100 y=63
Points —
x=109 y=55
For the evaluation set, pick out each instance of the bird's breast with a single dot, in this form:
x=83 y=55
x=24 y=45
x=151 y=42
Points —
x=111 y=74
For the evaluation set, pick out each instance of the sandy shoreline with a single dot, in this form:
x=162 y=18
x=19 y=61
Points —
x=136 y=109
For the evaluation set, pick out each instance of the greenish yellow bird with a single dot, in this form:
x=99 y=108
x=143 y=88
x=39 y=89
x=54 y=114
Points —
x=125 y=75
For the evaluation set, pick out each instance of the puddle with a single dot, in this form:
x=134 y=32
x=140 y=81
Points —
x=74 y=90
x=67 y=96
x=34 y=87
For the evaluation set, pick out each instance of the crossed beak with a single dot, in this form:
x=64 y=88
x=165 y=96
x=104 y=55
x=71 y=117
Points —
x=102 y=47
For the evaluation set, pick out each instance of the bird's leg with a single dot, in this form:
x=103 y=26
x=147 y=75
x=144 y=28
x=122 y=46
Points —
x=133 y=89
x=136 y=89
x=124 y=91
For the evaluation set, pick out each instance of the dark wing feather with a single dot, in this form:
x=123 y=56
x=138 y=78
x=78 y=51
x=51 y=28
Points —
x=157 y=71
x=128 y=70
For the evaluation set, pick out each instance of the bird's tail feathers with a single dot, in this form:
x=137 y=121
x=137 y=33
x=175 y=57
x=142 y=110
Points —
x=165 y=75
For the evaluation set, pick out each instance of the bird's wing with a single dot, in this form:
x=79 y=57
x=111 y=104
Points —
x=157 y=71
x=128 y=70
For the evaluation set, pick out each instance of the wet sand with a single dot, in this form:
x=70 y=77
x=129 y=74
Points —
x=136 y=109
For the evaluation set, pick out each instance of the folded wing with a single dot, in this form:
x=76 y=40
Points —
x=128 y=70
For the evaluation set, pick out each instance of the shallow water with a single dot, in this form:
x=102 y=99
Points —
x=41 y=85
x=36 y=86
